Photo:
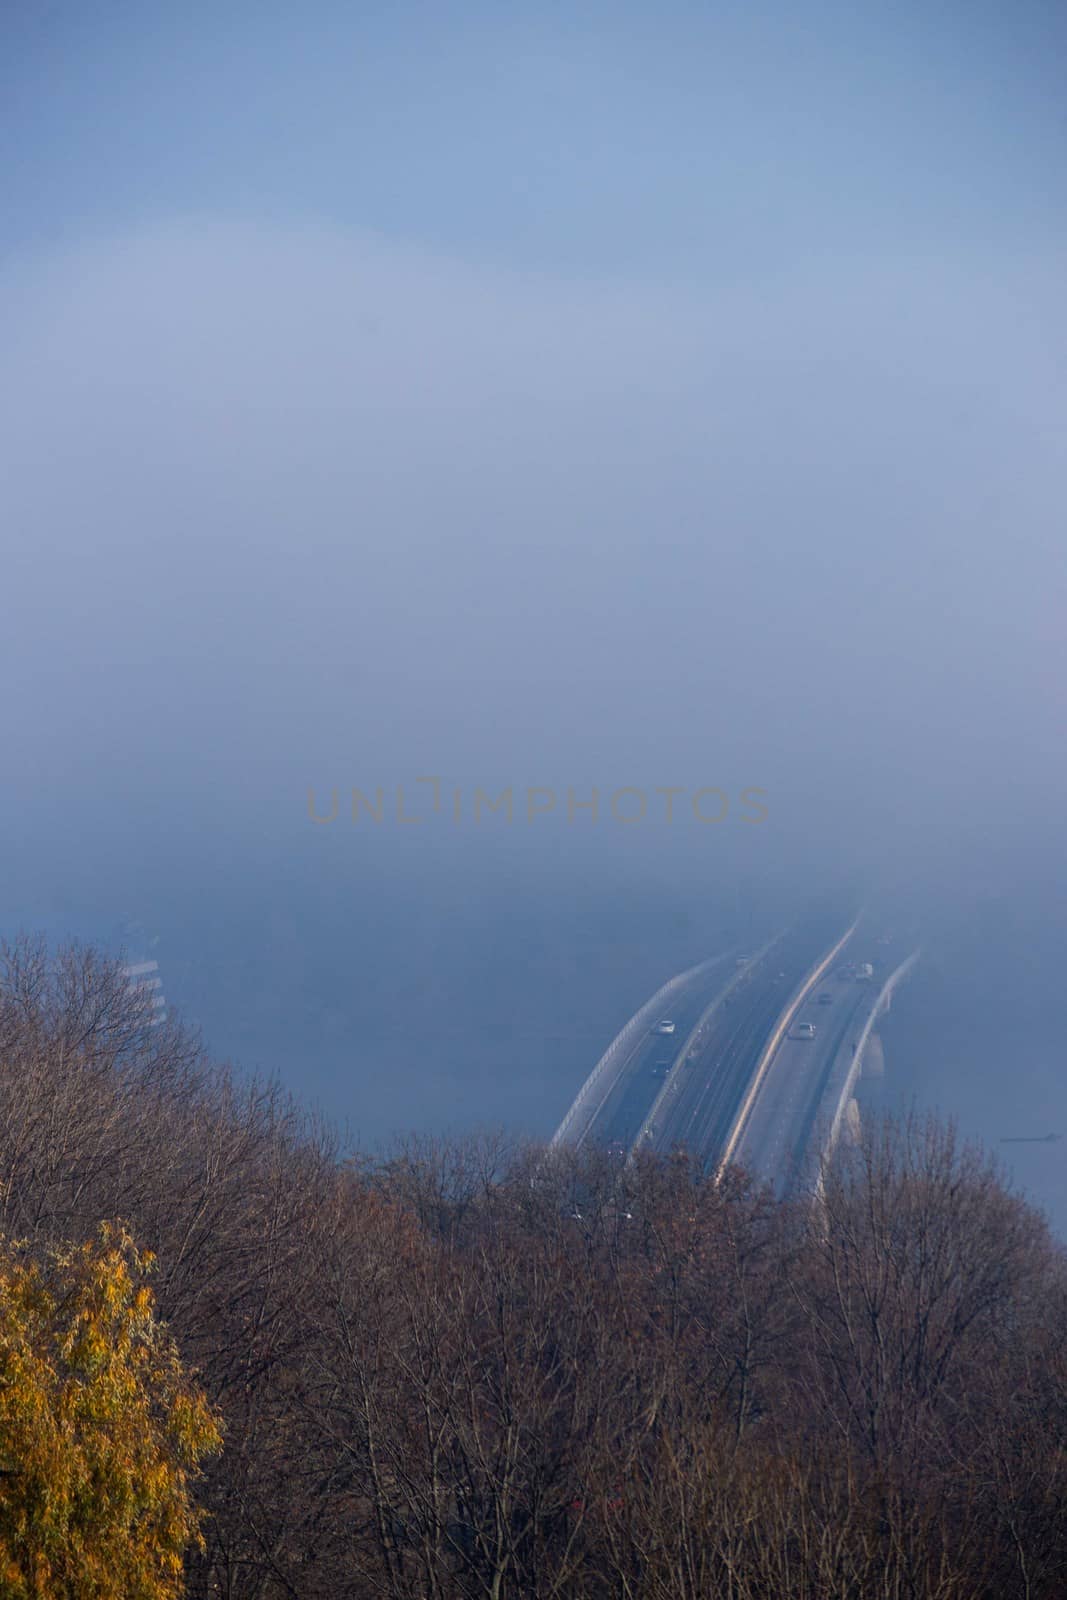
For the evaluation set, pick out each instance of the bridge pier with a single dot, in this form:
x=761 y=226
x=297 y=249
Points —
x=873 y=1064
x=851 y=1128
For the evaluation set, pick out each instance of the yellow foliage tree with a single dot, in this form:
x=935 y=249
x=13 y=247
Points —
x=101 y=1430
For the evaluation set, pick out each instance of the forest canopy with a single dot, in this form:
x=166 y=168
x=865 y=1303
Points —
x=478 y=1368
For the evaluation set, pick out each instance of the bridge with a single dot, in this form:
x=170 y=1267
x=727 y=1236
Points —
x=761 y=1066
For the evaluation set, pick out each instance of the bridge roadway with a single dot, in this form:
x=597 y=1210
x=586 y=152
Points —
x=778 y=1145
x=618 y=1120
x=700 y=1102
x=808 y=1079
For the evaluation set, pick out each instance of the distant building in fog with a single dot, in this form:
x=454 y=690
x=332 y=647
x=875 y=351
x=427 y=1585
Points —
x=142 y=977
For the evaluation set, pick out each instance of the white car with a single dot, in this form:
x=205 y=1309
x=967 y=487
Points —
x=804 y=1030
x=666 y=1026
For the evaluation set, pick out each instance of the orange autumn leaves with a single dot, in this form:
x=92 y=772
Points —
x=101 y=1430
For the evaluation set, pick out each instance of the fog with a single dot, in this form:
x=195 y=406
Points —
x=295 y=502
x=315 y=511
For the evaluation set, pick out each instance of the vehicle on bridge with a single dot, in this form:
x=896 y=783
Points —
x=661 y=1068
x=803 y=1030
x=864 y=973
x=826 y=998
x=664 y=1026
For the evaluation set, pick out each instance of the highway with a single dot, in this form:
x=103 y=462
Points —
x=737 y=1082
x=809 y=1081
x=619 y=1118
x=776 y=1146
x=700 y=1102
